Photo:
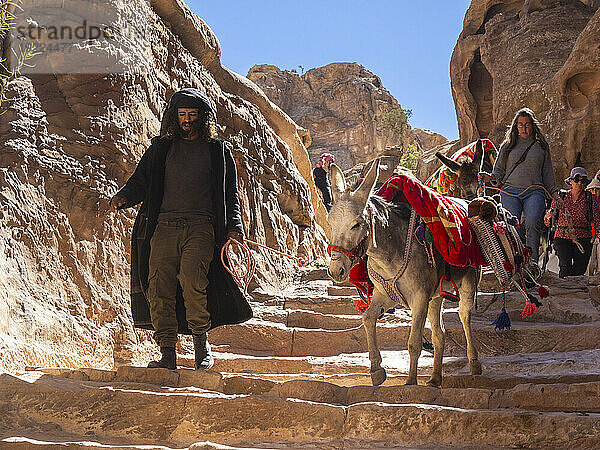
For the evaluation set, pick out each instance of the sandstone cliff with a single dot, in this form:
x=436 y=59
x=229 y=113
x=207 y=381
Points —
x=340 y=104
x=537 y=53
x=70 y=139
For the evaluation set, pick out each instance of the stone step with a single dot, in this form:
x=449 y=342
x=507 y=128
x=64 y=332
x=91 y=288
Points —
x=242 y=364
x=23 y=443
x=574 y=307
x=323 y=304
x=268 y=339
x=261 y=383
x=566 y=367
x=301 y=318
x=313 y=274
x=347 y=291
x=350 y=417
x=304 y=318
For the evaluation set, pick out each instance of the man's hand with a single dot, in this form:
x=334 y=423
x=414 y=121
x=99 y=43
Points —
x=487 y=177
x=236 y=236
x=117 y=201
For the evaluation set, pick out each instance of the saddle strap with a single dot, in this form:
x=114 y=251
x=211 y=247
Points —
x=389 y=286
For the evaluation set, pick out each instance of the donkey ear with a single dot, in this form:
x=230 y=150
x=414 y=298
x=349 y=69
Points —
x=452 y=165
x=338 y=181
x=478 y=156
x=364 y=190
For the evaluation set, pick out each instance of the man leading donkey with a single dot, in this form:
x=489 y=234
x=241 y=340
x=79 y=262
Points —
x=187 y=184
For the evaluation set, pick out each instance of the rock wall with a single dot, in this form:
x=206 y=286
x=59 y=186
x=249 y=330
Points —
x=537 y=53
x=427 y=139
x=339 y=104
x=69 y=140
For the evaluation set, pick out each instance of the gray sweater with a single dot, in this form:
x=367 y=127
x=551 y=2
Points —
x=536 y=169
x=188 y=181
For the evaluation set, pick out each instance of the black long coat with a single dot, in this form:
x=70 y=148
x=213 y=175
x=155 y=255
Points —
x=226 y=303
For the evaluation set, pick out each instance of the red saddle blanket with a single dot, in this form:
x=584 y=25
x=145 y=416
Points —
x=445 y=217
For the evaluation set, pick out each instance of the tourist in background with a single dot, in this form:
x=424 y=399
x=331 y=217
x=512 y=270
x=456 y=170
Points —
x=525 y=175
x=594 y=264
x=321 y=176
x=572 y=239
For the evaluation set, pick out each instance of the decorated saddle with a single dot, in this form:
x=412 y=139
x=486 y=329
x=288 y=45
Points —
x=505 y=253
x=479 y=233
x=445 y=219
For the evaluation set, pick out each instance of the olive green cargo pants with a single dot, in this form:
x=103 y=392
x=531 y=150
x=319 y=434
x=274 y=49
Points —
x=180 y=249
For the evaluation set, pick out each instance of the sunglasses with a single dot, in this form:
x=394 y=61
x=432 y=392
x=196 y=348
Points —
x=578 y=179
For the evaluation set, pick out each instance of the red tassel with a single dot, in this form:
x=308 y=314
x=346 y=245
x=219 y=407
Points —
x=529 y=310
x=543 y=292
x=361 y=305
x=526 y=252
x=508 y=266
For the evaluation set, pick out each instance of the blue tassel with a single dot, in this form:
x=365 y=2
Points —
x=503 y=321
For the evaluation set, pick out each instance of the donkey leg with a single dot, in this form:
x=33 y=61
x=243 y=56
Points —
x=369 y=318
x=467 y=299
x=415 y=338
x=438 y=337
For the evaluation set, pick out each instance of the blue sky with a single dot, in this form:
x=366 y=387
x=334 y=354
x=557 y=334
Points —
x=407 y=44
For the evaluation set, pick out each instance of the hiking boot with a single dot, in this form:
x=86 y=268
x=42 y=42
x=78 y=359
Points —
x=203 y=358
x=168 y=360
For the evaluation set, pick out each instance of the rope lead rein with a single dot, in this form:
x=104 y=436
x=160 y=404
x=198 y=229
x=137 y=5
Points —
x=243 y=279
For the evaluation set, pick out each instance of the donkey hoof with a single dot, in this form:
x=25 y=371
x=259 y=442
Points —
x=411 y=381
x=434 y=382
x=378 y=376
x=475 y=367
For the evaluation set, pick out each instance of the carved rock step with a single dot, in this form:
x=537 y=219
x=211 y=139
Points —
x=558 y=393
x=324 y=304
x=302 y=318
x=347 y=291
x=267 y=339
x=139 y=415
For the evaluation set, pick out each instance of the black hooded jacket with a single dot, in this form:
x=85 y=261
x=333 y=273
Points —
x=226 y=303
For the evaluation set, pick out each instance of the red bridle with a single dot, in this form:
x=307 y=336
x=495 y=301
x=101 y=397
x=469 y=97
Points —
x=356 y=253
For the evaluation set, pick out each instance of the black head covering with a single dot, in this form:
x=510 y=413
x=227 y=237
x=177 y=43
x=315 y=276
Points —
x=187 y=98
x=191 y=98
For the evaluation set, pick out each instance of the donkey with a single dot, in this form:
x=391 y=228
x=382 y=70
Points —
x=466 y=184
x=364 y=224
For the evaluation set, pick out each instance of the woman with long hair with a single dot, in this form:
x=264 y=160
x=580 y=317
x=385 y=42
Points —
x=525 y=173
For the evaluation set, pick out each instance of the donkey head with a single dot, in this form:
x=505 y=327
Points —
x=467 y=174
x=350 y=221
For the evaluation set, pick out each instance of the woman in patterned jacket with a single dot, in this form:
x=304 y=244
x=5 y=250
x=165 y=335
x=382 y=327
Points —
x=572 y=240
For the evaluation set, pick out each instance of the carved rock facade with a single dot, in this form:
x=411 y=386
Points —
x=537 y=53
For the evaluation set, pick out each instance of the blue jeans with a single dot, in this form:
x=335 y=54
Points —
x=532 y=203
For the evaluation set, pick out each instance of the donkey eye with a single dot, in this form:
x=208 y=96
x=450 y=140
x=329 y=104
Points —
x=355 y=226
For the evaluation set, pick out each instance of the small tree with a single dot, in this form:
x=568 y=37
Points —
x=395 y=121
x=410 y=157
x=7 y=21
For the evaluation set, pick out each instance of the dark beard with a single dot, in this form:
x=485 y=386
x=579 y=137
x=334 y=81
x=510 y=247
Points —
x=194 y=129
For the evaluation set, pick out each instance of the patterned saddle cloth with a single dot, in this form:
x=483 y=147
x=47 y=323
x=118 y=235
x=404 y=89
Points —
x=501 y=245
